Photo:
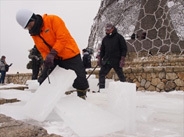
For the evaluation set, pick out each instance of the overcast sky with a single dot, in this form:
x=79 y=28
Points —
x=15 y=42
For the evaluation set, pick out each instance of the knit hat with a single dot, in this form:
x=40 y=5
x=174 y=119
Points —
x=24 y=16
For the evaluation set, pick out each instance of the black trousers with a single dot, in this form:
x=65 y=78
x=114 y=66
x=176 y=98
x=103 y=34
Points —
x=105 y=70
x=74 y=64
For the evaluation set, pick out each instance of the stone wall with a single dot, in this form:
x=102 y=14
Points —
x=154 y=73
x=19 y=78
x=154 y=26
x=154 y=31
x=153 y=78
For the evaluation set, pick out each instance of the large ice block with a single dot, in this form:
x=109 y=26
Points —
x=122 y=102
x=48 y=94
x=86 y=119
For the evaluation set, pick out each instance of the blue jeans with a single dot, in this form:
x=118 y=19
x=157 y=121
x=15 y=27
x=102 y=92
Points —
x=3 y=74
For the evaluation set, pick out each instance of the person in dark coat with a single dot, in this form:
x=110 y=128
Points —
x=112 y=54
x=86 y=58
x=36 y=60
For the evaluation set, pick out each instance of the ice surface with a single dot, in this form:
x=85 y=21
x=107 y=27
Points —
x=158 y=114
x=32 y=85
x=122 y=98
x=86 y=119
x=93 y=83
x=46 y=96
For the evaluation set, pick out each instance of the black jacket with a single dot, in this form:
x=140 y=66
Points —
x=86 y=60
x=113 y=48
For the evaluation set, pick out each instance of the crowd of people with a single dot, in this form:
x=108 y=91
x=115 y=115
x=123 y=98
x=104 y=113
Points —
x=54 y=45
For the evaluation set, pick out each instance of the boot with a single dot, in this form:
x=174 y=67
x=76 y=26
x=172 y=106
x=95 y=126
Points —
x=82 y=93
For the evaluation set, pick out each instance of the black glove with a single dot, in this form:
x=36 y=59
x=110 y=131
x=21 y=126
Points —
x=98 y=61
x=10 y=65
x=49 y=61
x=122 y=62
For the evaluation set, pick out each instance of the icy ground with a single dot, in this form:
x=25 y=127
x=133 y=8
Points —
x=156 y=114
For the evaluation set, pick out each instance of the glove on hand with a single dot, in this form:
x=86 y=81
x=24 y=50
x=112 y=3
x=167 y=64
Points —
x=49 y=61
x=122 y=62
x=98 y=61
x=10 y=65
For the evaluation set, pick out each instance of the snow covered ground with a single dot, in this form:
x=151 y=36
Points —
x=145 y=114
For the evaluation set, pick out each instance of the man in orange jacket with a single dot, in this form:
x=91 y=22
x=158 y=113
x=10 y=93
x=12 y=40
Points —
x=56 y=45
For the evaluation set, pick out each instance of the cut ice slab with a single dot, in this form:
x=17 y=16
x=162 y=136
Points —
x=122 y=102
x=86 y=119
x=48 y=94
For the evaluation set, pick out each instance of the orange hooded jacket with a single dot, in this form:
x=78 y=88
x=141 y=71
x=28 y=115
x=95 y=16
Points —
x=57 y=36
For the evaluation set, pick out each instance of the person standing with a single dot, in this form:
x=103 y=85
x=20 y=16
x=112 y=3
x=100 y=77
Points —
x=86 y=58
x=3 y=69
x=36 y=62
x=56 y=45
x=112 y=54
